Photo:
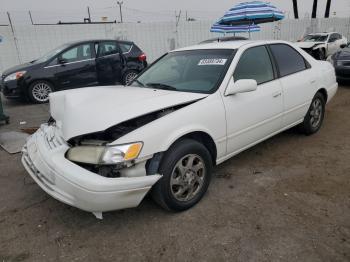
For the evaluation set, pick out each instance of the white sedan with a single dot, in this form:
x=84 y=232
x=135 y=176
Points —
x=322 y=45
x=105 y=148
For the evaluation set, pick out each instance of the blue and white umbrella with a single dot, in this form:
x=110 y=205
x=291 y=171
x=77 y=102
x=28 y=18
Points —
x=244 y=17
x=255 y=12
x=217 y=28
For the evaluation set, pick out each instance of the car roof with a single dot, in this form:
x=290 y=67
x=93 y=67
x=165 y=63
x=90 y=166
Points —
x=99 y=40
x=229 y=44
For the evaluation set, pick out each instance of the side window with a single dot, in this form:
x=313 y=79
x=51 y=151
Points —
x=288 y=60
x=77 y=53
x=255 y=64
x=125 y=47
x=107 y=48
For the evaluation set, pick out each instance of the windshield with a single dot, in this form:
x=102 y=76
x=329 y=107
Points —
x=315 y=38
x=198 y=71
x=51 y=54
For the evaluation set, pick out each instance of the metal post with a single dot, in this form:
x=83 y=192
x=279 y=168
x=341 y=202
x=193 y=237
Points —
x=120 y=10
x=295 y=8
x=88 y=10
x=328 y=7
x=30 y=16
x=14 y=37
x=314 y=9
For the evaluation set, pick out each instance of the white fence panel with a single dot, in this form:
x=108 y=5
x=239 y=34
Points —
x=153 y=38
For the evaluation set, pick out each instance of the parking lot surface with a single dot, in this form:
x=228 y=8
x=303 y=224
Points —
x=286 y=199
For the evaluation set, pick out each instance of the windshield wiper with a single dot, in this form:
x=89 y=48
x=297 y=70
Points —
x=161 y=86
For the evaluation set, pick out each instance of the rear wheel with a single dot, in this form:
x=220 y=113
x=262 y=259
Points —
x=129 y=76
x=186 y=169
x=314 y=116
x=39 y=91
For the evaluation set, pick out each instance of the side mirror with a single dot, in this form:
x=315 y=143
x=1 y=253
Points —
x=241 y=86
x=342 y=45
x=62 y=61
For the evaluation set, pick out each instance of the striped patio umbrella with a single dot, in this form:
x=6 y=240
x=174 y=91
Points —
x=246 y=16
x=217 y=28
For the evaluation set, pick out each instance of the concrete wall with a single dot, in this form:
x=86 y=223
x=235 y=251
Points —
x=29 y=42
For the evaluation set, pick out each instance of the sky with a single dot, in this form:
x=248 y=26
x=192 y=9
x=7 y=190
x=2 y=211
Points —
x=52 y=11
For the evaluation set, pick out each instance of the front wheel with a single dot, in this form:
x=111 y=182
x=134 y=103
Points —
x=39 y=91
x=314 y=116
x=186 y=169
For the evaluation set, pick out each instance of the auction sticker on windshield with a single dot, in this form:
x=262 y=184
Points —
x=212 y=61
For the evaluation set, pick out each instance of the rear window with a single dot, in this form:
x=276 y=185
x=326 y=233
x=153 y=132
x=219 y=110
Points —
x=125 y=47
x=288 y=60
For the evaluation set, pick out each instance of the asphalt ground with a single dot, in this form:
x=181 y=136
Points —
x=286 y=199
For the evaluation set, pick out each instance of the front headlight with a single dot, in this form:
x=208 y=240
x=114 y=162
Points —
x=105 y=155
x=15 y=76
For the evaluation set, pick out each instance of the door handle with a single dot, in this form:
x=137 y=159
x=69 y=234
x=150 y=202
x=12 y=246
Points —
x=275 y=95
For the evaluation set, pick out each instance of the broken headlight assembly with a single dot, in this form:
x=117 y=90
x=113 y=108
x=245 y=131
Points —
x=104 y=154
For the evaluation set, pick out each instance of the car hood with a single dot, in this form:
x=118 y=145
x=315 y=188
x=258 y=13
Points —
x=21 y=67
x=344 y=54
x=88 y=110
x=308 y=44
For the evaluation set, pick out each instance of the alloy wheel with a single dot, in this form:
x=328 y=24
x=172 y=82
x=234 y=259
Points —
x=41 y=92
x=130 y=77
x=187 y=177
x=316 y=112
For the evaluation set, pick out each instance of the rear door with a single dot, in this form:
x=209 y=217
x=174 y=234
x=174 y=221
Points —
x=298 y=81
x=108 y=62
x=76 y=67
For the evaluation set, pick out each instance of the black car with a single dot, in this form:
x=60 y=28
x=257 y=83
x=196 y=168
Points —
x=78 y=64
x=341 y=63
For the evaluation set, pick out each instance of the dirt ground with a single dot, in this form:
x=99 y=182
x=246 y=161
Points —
x=287 y=199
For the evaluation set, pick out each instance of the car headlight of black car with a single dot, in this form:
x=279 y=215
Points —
x=15 y=76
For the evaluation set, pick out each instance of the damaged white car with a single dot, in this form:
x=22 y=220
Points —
x=322 y=45
x=105 y=148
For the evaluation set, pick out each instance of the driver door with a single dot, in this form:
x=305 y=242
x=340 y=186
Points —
x=255 y=115
x=76 y=67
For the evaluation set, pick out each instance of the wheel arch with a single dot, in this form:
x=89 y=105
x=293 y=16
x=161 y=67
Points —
x=203 y=138
x=324 y=93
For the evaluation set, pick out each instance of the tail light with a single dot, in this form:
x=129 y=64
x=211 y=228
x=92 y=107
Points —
x=142 y=57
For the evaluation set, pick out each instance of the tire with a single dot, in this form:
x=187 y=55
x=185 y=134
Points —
x=129 y=76
x=38 y=91
x=176 y=190
x=314 y=116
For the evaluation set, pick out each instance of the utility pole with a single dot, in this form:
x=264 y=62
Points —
x=30 y=16
x=120 y=10
x=295 y=8
x=328 y=7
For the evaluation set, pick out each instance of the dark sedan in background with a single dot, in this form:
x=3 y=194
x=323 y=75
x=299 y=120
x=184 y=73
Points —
x=341 y=63
x=73 y=65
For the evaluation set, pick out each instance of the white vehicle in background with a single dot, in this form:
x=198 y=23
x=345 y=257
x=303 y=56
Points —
x=322 y=45
x=104 y=148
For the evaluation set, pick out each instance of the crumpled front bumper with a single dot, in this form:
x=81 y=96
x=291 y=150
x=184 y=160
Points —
x=44 y=159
